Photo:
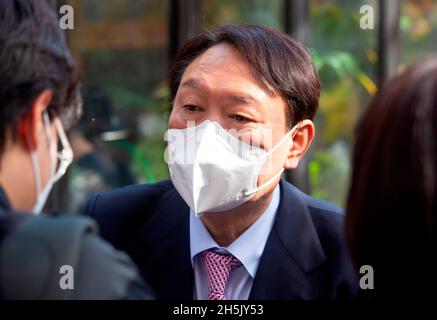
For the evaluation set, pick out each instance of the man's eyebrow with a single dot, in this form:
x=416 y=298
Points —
x=238 y=98
x=243 y=99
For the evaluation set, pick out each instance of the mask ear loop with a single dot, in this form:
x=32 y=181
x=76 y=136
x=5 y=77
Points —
x=49 y=140
x=35 y=162
x=65 y=161
x=66 y=155
x=284 y=138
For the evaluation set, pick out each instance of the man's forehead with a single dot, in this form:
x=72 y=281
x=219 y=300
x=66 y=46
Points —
x=231 y=77
x=221 y=60
x=223 y=67
x=244 y=94
x=219 y=53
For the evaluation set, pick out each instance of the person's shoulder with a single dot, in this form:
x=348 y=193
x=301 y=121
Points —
x=328 y=221
x=325 y=214
x=121 y=212
x=322 y=212
x=142 y=191
x=126 y=198
x=49 y=241
x=327 y=218
x=106 y=273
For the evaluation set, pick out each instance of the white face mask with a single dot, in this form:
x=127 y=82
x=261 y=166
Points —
x=65 y=157
x=213 y=170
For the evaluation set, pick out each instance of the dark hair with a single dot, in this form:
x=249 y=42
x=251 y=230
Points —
x=282 y=65
x=33 y=57
x=392 y=202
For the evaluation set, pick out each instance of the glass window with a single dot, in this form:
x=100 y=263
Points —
x=122 y=50
x=346 y=58
x=418 y=25
x=266 y=12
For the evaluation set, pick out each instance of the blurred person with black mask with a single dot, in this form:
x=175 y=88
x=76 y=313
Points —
x=39 y=100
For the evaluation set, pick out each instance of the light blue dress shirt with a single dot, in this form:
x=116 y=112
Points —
x=247 y=248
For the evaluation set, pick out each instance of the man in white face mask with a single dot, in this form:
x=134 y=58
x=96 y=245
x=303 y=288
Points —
x=42 y=256
x=227 y=227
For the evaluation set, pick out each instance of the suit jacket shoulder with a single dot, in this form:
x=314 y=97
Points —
x=121 y=214
x=120 y=211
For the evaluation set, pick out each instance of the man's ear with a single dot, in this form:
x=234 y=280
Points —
x=302 y=139
x=31 y=123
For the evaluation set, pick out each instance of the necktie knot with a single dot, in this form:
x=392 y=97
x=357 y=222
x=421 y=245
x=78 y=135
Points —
x=218 y=267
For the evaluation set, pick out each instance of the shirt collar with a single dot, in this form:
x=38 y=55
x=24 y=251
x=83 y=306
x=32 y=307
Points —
x=248 y=247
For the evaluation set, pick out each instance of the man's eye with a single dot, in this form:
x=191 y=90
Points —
x=191 y=108
x=240 y=118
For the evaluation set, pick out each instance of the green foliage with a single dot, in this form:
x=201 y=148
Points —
x=343 y=54
x=265 y=12
x=149 y=161
x=418 y=24
x=328 y=175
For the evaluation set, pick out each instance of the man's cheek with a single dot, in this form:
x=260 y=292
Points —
x=274 y=163
x=173 y=121
x=267 y=169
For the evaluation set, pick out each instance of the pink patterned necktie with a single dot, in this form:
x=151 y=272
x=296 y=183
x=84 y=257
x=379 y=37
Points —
x=219 y=268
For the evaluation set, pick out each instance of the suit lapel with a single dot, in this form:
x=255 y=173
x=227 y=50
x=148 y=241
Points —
x=167 y=260
x=292 y=251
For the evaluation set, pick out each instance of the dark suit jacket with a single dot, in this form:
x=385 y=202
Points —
x=304 y=258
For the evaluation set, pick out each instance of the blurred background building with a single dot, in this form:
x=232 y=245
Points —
x=124 y=49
